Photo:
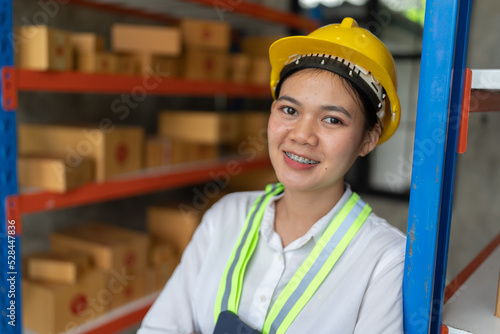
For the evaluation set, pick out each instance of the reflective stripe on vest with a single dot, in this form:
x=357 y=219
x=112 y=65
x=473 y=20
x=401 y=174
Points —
x=308 y=277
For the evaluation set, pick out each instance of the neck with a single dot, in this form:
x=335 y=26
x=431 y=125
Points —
x=297 y=211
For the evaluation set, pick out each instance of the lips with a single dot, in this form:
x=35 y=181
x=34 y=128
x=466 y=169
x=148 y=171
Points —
x=301 y=160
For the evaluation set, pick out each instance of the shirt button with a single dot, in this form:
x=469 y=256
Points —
x=263 y=298
x=280 y=258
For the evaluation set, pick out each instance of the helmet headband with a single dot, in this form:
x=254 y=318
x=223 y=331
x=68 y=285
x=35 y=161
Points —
x=361 y=78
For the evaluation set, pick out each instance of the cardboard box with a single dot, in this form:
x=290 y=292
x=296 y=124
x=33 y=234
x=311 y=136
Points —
x=87 y=42
x=53 y=174
x=114 y=149
x=56 y=308
x=207 y=35
x=260 y=71
x=253 y=134
x=253 y=180
x=163 y=66
x=163 y=252
x=239 y=69
x=127 y=64
x=58 y=268
x=169 y=224
x=205 y=65
x=157 y=152
x=42 y=48
x=258 y=46
x=125 y=288
x=97 y=62
x=199 y=126
x=184 y=151
x=163 y=261
x=165 y=41
x=112 y=248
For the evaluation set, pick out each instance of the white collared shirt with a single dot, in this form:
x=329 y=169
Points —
x=362 y=294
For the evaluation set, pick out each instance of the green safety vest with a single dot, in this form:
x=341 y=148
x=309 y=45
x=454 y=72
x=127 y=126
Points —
x=308 y=277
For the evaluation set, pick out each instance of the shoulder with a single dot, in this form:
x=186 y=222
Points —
x=236 y=201
x=382 y=241
x=230 y=210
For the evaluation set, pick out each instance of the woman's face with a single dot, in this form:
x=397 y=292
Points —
x=316 y=131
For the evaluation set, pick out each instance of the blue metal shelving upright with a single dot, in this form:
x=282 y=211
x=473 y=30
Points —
x=444 y=54
x=10 y=282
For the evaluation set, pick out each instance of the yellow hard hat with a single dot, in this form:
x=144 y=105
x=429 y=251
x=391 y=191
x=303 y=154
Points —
x=350 y=51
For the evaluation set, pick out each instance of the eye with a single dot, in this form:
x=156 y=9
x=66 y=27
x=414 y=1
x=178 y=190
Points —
x=289 y=111
x=333 y=120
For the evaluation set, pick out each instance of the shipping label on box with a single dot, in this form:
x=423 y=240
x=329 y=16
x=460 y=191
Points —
x=162 y=41
x=205 y=65
x=53 y=174
x=43 y=48
x=207 y=35
x=111 y=248
x=60 y=308
x=114 y=149
x=199 y=126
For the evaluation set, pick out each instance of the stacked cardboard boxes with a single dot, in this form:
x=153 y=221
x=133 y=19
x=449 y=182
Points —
x=206 y=46
x=155 y=49
x=195 y=49
x=60 y=291
x=120 y=253
x=197 y=135
x=113 y=151
x=43 y=48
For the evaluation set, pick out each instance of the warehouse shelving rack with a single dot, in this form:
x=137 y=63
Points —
x=446 y=89
x=14 y=204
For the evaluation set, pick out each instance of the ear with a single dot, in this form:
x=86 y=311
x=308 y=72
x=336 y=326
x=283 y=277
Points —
x=370 y=140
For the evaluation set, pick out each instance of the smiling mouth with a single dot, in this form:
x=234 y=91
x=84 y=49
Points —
x=300 y=159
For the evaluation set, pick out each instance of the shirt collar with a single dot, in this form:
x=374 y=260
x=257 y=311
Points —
x=316 y=230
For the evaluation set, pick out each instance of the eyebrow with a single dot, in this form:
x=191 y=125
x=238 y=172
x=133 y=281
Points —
x=324 y=107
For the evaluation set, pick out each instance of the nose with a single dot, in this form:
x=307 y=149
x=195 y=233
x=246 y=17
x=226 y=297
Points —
x=304 y=132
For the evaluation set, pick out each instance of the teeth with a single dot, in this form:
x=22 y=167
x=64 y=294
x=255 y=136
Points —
x=301 y=160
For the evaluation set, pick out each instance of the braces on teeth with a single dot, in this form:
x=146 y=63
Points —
x=301 y=159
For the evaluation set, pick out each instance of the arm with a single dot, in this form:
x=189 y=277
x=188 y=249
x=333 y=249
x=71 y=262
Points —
x=172 y=312
x=381 y=311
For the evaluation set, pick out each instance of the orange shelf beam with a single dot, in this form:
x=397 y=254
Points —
x=262 y=12
x=123 y=10
x=253 y=10
x=137 y=184
x=76 y=82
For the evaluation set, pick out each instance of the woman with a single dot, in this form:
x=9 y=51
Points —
x=306 y=255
